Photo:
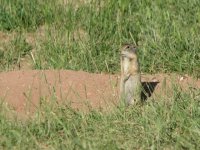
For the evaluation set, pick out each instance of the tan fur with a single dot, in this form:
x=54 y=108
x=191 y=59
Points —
x=130 y=86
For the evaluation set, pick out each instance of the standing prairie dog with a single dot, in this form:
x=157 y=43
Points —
x=130 y=86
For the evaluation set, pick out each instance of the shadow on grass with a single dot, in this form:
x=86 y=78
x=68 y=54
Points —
x=148 y=89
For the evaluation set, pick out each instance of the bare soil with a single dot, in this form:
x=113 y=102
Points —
x=24 y=90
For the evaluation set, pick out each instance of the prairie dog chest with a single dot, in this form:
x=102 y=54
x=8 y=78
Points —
x=126 y=63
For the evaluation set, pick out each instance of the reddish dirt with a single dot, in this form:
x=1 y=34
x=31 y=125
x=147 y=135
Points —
x=24 y=89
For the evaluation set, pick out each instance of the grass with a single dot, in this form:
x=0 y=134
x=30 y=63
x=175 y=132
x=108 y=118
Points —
x=14 y=52
x=170 y=123
x=87 y=36
x=93 y=32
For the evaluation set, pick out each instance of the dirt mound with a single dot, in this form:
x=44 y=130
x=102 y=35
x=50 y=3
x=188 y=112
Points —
x=25 y=89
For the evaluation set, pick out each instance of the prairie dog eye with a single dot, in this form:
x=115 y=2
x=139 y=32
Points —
x=128 y=46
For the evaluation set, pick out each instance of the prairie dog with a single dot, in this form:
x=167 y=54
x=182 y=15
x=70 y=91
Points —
x=130 y=86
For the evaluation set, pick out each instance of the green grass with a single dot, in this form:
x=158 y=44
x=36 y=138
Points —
x=14 y=51
x=87 y=36
x=170 y=123
x=166 y=32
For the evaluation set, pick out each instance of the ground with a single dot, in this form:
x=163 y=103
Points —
x=81 y=110
x=23 y=91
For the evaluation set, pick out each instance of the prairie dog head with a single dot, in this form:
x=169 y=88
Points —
x=129 y=51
